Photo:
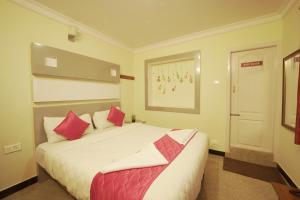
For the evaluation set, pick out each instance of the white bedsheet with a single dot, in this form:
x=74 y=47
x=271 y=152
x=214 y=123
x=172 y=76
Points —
x=75 y=163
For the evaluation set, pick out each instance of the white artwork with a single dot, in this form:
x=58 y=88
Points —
x=174 y=84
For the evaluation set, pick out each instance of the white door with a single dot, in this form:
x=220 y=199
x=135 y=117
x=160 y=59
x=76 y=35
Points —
x=252 y=99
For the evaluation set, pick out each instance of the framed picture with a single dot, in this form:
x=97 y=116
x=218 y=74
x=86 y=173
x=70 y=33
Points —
x=172 y=83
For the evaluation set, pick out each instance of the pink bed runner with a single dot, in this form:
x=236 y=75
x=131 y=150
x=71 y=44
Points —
x=133 y=183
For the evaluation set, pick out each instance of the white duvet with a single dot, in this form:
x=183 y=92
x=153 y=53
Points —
x=149 y=156
x=75 y=163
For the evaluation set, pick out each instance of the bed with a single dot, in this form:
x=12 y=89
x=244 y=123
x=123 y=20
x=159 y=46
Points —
x=74 y=163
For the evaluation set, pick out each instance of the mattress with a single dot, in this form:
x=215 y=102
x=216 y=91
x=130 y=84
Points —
x=75 y=163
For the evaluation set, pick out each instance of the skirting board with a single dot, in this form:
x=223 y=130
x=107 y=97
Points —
x=20 y=186
x=287 y=178
x=216 y=152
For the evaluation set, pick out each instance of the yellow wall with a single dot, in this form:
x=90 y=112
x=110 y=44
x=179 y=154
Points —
x=287 y=153
x=214 y=99
x=18 y=28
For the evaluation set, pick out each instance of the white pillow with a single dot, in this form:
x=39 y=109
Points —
x=100 y=120
x=51 y=123
x=87 y=118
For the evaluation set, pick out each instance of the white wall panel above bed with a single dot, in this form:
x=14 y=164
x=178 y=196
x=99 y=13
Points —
x=51 y=89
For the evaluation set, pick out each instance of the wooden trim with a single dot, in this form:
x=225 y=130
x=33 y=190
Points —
x=284 y=93
x=122 y=76
x=17 y=187
x=216 y=152
x=287 y=178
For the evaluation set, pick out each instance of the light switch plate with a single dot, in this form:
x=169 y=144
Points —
x=113 y=72
x=12 y=148
x=51 y=62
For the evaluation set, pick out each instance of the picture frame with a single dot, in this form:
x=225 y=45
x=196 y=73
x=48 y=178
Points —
x=172 y=83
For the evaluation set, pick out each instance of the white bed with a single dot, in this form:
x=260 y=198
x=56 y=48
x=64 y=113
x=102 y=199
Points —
x=75 y=163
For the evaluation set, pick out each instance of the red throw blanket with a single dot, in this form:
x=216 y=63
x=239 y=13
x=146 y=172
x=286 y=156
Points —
x=133 y=183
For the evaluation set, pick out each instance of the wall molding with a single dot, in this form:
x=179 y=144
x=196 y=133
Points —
x=285 y=9
x=286 y=176
x=212 y=31
x=221 y=29
x=48 y=12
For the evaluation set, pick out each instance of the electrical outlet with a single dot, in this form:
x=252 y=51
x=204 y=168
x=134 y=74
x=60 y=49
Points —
x=12 y=148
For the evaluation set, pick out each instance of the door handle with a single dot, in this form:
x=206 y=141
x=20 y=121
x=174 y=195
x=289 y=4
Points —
x=234 y=114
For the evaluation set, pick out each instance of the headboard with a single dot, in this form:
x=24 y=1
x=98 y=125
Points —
x=63 y=78
x=60 y=111
x=57 y=63
x=60 y=75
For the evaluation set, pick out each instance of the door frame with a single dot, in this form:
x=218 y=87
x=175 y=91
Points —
x=277 y=62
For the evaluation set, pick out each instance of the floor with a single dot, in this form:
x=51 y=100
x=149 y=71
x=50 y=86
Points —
x=224 y=185
x=217 y=185
x=264 y=173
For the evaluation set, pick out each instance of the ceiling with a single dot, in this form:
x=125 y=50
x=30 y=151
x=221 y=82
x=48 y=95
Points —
x=138 y=23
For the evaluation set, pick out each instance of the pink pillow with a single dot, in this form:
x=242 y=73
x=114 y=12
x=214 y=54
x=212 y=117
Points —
x=72 y=127
x=115 y=116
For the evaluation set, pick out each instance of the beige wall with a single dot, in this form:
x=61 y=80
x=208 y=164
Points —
x=214 y=99
x=287 y=153
x=20 y=27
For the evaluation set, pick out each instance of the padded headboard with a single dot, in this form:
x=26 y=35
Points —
x=60 y=111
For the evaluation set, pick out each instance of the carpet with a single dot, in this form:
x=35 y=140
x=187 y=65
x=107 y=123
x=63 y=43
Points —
x=264 y=173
